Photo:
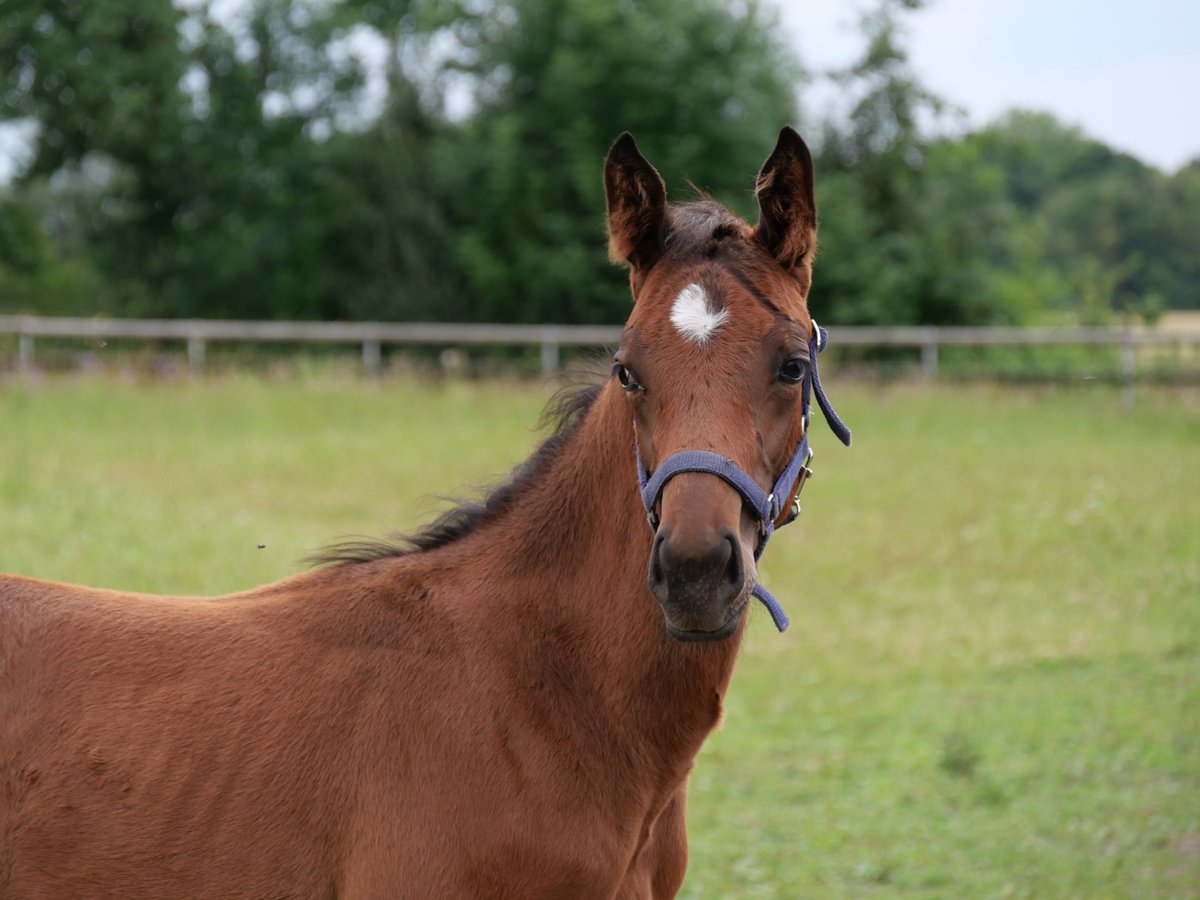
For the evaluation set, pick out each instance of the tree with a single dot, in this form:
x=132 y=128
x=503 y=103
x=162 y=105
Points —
x=190 y=164
x=1039 y=154
x=44 y=264
x=99 y=79
x=1119 y=231
x=97 y=76
x=1180 y=224
x=912 y=226
x=703 y=85
x=214 y=194
x=385 y=203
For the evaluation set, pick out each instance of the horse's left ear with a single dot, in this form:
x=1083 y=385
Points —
x=637 y=205
x=787 y=212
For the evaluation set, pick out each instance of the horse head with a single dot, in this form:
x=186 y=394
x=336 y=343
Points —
x=717 y=361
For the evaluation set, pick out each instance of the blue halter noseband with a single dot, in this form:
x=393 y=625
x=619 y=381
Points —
x=768 y=507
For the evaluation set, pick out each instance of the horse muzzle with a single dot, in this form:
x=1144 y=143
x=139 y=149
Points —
x=700 y=578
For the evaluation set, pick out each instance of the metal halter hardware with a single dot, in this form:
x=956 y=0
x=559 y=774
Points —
x=767 y=506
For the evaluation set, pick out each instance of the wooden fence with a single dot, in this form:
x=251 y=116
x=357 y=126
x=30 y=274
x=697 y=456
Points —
x=372 y=336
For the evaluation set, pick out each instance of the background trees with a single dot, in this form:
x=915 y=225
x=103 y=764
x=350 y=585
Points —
x=1122 y=234
x=406 y=159
x=702 y=84
x=914 y=227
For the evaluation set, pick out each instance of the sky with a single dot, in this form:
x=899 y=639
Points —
x=1126 y=73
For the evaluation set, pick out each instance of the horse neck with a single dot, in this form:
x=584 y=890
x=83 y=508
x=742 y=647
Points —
x=568 y=567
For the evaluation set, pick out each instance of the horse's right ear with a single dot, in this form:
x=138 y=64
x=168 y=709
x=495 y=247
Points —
x=637 y=205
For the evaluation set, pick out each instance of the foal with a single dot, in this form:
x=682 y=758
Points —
x=507 y=706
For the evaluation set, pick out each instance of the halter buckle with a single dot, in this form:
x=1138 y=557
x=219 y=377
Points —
x=769 y=517
x=805 y=474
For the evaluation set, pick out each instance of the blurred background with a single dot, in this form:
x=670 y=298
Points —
x=983 y=164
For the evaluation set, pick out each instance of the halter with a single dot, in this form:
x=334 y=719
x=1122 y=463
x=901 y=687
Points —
x=768 y=507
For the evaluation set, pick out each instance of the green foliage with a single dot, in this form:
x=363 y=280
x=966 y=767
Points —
x=38 y=272
x=24 y=247
x=934 y=253
x=96 y=75
x=242 y=160
x=913 y=228
x=1122 y=234
x=705 y=87
x=1039 y=154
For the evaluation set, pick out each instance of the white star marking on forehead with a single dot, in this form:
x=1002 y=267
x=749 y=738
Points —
x=692 y=318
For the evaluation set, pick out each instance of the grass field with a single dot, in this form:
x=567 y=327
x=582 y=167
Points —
x=991 y=687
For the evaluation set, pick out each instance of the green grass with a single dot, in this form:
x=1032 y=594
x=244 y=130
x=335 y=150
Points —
x=991 y=687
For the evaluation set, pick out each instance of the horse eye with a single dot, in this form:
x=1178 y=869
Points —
x=625 y=377
x=792 y=371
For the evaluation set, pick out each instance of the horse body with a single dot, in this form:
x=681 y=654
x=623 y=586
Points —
x=439 y=724
x=511 y=706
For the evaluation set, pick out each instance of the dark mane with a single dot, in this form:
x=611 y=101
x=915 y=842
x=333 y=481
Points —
x=563 y=413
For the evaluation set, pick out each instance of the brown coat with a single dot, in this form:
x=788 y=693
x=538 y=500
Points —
x=501 y=709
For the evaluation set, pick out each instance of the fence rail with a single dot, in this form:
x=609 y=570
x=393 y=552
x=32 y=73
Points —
x=372 y=336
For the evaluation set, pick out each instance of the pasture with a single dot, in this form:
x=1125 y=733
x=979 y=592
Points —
x=991 y=685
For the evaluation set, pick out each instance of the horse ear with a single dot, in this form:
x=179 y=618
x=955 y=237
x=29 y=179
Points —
x=787 y=212
x=637 y=205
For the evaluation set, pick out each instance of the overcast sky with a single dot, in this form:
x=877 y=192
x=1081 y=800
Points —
x=1127 y=73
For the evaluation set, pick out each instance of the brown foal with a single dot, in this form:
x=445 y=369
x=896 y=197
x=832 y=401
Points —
x=507 y=705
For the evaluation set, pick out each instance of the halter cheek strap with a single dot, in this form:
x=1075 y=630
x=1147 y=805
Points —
x=767 y=507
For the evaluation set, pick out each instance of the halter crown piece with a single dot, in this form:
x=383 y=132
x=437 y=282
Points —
x=768 y=507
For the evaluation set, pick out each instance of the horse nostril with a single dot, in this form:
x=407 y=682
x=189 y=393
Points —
x=657 y=576
x=734 y=576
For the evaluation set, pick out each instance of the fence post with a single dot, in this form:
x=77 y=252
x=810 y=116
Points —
x=1129 y=369
x=195 y=351
x=549 y=357
x=372 y=356
x=25 y=353
x=929 y=354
